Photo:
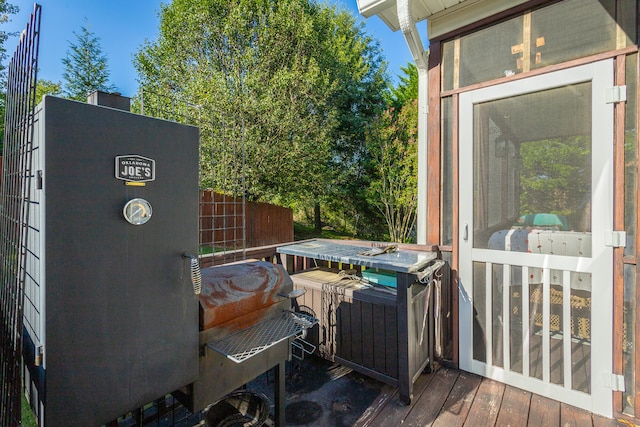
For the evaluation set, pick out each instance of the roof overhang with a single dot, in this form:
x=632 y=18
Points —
x=444 y=15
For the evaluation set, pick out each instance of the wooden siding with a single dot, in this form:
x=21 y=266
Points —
x=618 y=224
x=433 y=147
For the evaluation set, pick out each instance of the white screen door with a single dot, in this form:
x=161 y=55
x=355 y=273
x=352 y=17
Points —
x=536 y=197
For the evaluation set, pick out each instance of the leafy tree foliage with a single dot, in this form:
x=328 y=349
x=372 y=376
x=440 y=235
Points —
x=407 y=89
x=363 y=84
x=294 y=80
x=393 y=165
x=247 y=64
x=394 y=148
x=47 y=87
x=6 y=10
x=556 y=177
x=85 y=66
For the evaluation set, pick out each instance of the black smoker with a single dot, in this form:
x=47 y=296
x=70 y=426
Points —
x=111 y=310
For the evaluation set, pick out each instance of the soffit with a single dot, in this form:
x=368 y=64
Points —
x=444 y=15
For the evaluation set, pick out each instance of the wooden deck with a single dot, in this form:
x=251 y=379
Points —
x=449 y=397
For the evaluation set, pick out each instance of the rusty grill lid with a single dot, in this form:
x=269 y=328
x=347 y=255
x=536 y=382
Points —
x=233 y=290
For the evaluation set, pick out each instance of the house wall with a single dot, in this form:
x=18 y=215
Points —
x=535 y=38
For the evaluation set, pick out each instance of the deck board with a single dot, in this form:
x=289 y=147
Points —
x=429 y=404
x=448 y=397
x=599 y=421
x=514 y=410
x=456 y=408
x=394 y=413
x=543 y=412
x=572 y=416
x=368 y=418
x=485 y=407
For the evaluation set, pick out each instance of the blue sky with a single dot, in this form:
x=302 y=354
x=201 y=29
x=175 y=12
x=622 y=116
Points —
x=123 y=26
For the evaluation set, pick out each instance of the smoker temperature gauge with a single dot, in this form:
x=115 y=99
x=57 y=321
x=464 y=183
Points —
x=137 y=211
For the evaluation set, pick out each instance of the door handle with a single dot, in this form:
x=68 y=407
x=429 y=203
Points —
x=196 y=276
x=465 y=233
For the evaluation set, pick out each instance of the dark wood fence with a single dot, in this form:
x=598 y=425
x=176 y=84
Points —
x=224 y=227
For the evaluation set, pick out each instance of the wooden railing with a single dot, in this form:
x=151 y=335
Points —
x=264 y=253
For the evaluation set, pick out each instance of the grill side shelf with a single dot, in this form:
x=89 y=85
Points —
x=246 y=343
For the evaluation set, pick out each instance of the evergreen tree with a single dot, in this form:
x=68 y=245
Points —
x=407 y=89
x=85 y=66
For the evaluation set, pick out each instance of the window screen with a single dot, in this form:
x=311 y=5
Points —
x=549 y=35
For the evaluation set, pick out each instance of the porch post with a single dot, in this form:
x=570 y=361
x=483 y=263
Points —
x=423 y=115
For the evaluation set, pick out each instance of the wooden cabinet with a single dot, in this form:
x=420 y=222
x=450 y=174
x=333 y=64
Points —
x=382 y=332
x=355 y=326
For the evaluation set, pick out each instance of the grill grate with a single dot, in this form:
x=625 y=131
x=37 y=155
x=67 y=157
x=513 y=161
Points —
x=244 y=344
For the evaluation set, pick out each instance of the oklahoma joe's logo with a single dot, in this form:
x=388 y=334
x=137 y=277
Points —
x=134 y=168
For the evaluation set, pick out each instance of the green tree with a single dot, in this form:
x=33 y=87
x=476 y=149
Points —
x=393 y=158
x=6 y=10
x=85 y=66
x=407 y=89
x=356 y=64
x=394 y=150
x=555 y=177
x=47 y=87
x=248 y=64
x=279 y=76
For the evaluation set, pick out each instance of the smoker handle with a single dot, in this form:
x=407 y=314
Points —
x=196 y=275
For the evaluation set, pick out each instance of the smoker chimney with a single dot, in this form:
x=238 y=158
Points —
x=112 y=100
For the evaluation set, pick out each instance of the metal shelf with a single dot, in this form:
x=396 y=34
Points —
x=241 y=345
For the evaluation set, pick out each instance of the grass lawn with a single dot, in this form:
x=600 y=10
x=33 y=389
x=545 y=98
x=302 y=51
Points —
x=28 y=419
x=304 y=232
